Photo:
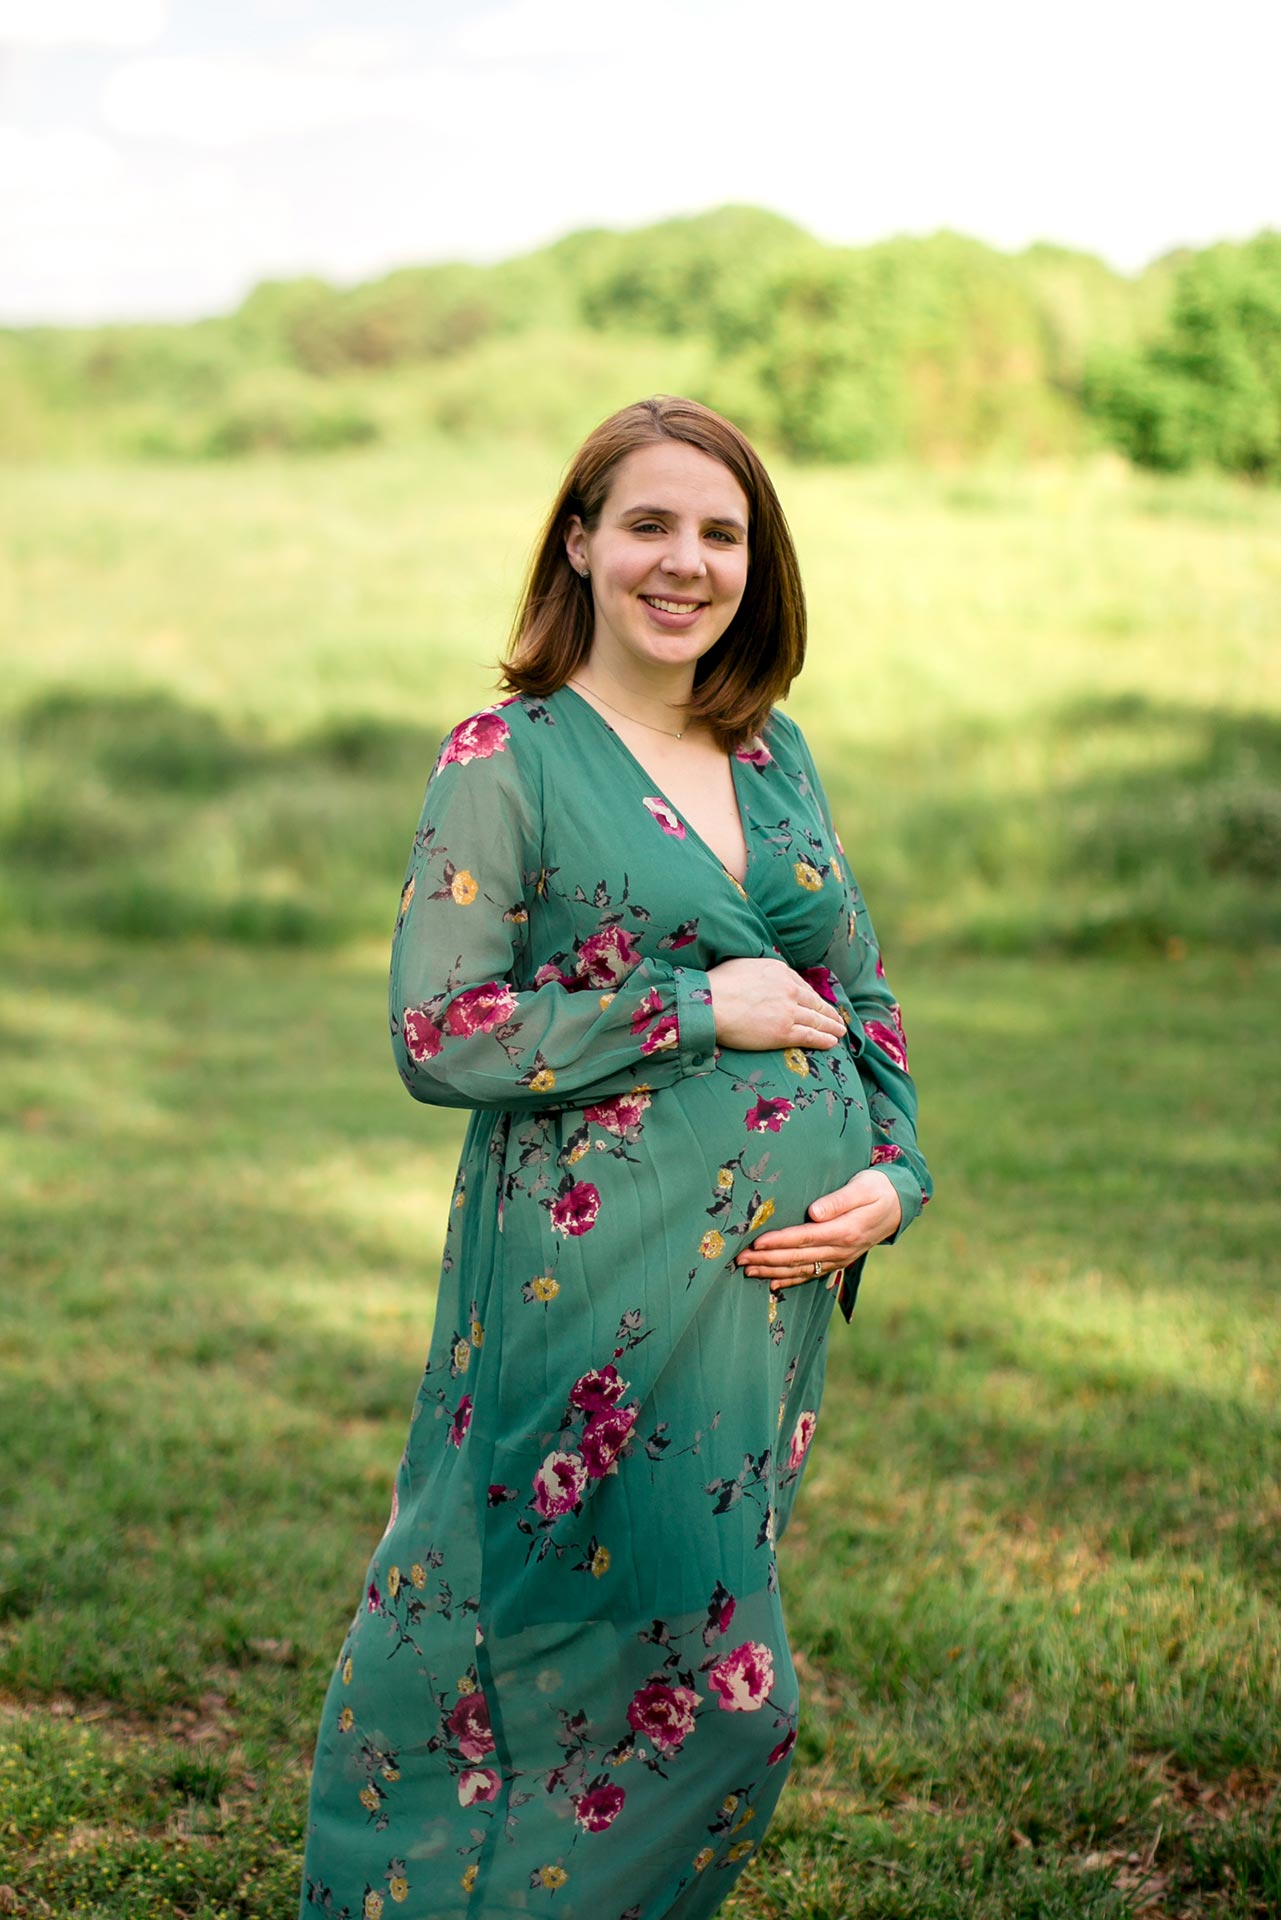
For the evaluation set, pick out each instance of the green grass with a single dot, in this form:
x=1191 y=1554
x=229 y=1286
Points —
x=1034 y=1579
x=1049 y=705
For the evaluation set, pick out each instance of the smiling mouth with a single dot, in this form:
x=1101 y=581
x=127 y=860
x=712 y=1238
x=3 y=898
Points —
x=672 y=606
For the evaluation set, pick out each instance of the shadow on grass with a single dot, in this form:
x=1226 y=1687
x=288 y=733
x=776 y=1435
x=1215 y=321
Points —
x=1110 y=823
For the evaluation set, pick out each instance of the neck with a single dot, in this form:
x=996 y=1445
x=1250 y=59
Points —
x=661 y=696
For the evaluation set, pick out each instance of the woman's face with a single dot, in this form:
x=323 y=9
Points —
x=668 y=558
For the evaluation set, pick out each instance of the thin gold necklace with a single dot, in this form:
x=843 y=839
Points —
x=630 y=716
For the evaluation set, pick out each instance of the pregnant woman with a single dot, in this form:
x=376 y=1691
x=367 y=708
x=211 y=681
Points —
x=630 y=944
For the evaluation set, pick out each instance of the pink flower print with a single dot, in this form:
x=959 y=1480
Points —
x=663 y=1715
x=888 y=1040
x=743 y=1678
x=664 y=1033
x=755 y=753
x=373 y=1599
x=802 y=1434
x=549 y=974
x=666 y=819
x=604 y=1437
x=886 y=1150
x=783 y=1748
x=606 y=956
x=479 y=738
x=421 y=1034
x=558 y=1484
x=823 y=981
x=647 y=1006
x=469 y=1725
x=767 y=1116
x=598 y=1808
x=477 y=1783
x=461 y=1422
x=620 y=1114
x=574 y=1211
x=599 y=1390
x=880 y=964
x=480 y=1009
x=723 y=1611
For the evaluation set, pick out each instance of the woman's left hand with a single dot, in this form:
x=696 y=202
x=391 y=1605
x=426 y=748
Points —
x=842 y=1225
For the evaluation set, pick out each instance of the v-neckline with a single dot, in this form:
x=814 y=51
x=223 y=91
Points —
x=739 y=799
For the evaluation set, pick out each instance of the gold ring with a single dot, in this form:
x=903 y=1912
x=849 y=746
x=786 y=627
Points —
x=817 y=1269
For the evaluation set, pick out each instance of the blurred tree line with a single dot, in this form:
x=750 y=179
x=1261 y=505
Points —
x=932 y=349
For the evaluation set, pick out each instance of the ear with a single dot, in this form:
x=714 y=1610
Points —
x=576 y=543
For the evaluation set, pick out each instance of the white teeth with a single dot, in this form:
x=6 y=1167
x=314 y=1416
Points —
x=671 y=606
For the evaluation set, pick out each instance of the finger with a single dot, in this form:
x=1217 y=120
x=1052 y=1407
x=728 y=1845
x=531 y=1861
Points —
x=794 y=1240
x=807 y=1033
x=769 y=1265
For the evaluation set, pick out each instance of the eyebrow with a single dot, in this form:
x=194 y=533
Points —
x=713 y=519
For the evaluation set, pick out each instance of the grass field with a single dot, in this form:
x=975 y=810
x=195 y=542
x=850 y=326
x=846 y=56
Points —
x=1034 y=1579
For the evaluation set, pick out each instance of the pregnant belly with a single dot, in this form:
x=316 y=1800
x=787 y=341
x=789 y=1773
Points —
x=622 y=1219
x=774 y=1131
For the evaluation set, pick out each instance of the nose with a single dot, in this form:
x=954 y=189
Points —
x=683 y=559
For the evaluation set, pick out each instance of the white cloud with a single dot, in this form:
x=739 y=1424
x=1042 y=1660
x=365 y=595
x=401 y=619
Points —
x=353 y=52
x=346 y=152
x=82 y=23
x=223 y=103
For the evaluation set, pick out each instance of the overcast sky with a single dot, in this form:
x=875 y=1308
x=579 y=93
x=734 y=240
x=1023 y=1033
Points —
x=158 y=157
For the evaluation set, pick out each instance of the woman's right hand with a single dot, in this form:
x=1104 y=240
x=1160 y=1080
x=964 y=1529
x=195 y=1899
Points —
x=761 y=1005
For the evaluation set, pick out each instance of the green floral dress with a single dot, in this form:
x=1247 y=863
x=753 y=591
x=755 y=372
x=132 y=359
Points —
x=567 y=1689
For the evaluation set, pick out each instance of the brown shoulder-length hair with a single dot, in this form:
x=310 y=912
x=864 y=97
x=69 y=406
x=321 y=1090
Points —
x=761 y=651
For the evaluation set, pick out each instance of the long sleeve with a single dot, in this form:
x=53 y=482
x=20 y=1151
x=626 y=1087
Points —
x=854 y=959
x=469 y=1029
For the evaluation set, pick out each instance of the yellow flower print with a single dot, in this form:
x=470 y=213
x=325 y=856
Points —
x=346 y=1720
x=553 y=1876
x=741 y=1849
x=460 y=1196
x=369 y=1799
x=347 y=1671
x=576 y=1154
x=393 y=1581
x=730 y=1806
x=391 y=1773
x=466 y=1684
x=477 y=1334
x=545 y=1287
x=763 y=1213
x=794 y=1057
x=744 y=1819
x=518 y=916
x=773 y=1308
x=725 y=1179
x=600 y=1561
x=462 y=1355
x=711 y=1244
x=373 y=1907
x=463 y=888
x=469 y=1878
x=543 y=1081
x=703 y=1859
x=836 y=871
x=807 y=876
x=418 y=1574
x=398 y=1887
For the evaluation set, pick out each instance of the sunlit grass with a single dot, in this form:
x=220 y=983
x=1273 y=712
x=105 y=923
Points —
x=1034 y=1575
